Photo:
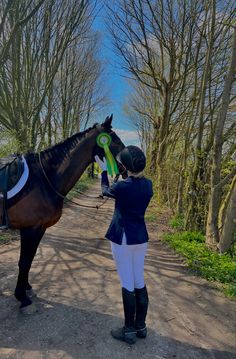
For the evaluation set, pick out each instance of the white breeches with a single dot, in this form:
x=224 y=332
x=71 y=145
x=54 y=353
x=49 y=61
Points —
x=129 y=260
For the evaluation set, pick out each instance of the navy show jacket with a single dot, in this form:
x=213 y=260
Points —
x=132 y=197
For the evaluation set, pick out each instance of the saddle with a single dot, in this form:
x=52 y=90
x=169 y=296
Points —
x=11 y=169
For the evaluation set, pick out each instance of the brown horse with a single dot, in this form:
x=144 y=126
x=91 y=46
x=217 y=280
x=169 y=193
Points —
x=52 y=174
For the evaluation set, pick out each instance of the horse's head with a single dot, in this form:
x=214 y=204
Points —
x=116 y=144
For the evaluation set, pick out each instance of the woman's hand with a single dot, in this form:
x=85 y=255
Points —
x=101 y=164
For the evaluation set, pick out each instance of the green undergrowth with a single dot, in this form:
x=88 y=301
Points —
x=6 y=236
x=177 y=222
x=155 y=211
x=151 y=214
x=220 y=269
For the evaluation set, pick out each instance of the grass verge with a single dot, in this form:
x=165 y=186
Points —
x=7 y=236
x=219 y=269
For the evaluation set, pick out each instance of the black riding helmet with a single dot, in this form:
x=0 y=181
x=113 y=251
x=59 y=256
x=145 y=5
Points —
x=133 y=158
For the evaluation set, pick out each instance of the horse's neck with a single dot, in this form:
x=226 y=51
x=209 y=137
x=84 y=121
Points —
x=67 y=170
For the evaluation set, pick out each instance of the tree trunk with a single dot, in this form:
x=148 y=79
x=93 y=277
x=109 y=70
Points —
x=154 y=149
x=195 y=213
x=162 y=148
x=229 y=220
x=180 y=206
x=212 y=231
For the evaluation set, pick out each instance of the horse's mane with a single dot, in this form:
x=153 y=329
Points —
x=63 y=148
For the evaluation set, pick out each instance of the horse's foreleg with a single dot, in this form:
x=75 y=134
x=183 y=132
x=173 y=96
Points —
x=30 y=238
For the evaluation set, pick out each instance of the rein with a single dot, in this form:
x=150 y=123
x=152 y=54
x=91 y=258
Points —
x=87 y=195
x=48 y=180
x=87 y=206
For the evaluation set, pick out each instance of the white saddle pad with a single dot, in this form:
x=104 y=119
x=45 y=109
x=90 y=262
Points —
x=20 y=184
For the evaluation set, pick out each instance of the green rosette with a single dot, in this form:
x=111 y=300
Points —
x=104 y=141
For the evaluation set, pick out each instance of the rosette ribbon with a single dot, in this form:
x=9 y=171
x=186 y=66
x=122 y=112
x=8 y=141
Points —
x=104 y=141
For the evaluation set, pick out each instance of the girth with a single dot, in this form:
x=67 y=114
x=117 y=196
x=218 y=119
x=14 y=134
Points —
x=11 y=169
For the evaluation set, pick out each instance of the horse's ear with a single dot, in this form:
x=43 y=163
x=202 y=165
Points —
x=108 y=121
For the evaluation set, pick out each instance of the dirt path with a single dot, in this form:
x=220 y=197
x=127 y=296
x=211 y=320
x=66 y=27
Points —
x=79 y=300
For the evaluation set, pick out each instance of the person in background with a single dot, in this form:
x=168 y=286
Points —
x=128 y=235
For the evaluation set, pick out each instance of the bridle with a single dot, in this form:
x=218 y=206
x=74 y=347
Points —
x=98 y=206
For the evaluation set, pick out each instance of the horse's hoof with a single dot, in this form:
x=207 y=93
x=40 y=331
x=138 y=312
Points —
x=29 y=309
x=30 y=293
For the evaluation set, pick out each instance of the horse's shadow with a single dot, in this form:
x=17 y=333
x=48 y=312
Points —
x=64 y=331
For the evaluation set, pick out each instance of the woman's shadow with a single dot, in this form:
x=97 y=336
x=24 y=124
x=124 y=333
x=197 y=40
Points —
x=64 y=331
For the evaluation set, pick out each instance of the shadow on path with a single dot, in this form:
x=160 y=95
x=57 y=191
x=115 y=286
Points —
x=61 y=331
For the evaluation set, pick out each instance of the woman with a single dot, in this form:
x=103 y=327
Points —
x=128 y=235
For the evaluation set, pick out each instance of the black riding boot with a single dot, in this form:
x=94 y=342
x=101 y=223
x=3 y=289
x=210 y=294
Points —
x=141 y=296
x=128 y=332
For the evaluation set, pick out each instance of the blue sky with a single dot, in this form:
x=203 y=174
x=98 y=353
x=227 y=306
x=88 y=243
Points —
x=116 y=84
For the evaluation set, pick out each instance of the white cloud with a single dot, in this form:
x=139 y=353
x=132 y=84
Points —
x=128 y=137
